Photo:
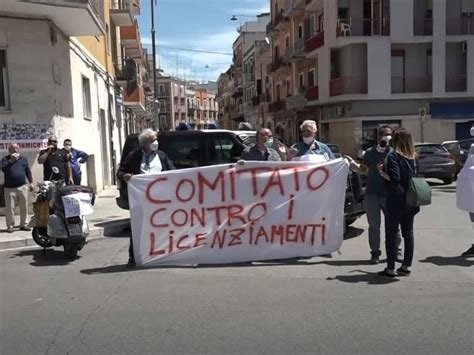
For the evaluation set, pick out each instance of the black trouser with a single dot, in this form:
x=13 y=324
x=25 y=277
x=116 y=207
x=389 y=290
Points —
x=77 y=179
x=404 y=217
x=131 y=257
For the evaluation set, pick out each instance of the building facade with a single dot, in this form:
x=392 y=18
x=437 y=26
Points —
x=356 y=65
x=58 y=76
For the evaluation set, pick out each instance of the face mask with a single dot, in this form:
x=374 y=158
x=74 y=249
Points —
x=308 y=140
x=154 y=146
x=269 y=143
x=381 y=149
x=385 y=141
x=67 y=147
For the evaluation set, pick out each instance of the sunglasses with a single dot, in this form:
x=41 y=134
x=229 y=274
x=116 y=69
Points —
x=53 y=141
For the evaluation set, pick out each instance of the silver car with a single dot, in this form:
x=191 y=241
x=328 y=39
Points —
x=435 y=161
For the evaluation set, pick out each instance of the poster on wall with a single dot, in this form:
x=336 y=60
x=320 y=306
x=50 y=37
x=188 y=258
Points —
x=30 y=137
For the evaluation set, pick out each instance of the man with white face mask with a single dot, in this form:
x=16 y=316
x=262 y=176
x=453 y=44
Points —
x=375 y=200
x=145 y=160
x=309 y=145
x=262 y=150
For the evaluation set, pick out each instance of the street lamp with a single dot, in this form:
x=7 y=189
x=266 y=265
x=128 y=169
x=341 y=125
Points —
x=236 y=17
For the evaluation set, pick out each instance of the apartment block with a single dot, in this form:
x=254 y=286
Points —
x=373 y=62
x=60 y=71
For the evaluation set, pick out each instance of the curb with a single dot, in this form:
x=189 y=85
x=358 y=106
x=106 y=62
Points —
x=95 y=233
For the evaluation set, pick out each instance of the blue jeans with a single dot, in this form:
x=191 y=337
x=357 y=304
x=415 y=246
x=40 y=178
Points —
x=374 y=206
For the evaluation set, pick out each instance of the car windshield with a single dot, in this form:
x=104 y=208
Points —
x=454 y=146
x=430 y=149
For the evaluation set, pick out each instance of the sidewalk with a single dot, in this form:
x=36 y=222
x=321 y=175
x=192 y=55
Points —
x=108 y=218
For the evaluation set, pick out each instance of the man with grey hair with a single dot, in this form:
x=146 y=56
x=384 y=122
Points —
x=309 y=145
x=17 y=173
x=145 y=160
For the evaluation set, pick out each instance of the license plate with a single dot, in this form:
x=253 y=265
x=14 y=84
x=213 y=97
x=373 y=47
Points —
x=75 y=229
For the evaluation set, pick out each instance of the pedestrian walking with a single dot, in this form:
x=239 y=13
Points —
x=400 y=165
x=76 y=158
x=145 y=160
x=262 y=150
x=376 y=193
x=465 y=191
x=18 y=181
x=52 y=157
x=309 y=146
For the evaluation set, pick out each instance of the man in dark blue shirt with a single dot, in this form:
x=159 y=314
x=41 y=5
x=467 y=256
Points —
x=262 y=150
x=17 y=172
x=76 y=158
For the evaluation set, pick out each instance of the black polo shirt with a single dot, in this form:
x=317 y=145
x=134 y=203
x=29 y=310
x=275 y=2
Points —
x=57 y=158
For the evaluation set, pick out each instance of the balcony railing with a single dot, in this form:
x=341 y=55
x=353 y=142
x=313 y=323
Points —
x=411 y=84
x=456 y=83
x=348 y=85
x=460 y=26
x=423 y=27
x=249 y=77
x=317 y=41
x=136 y=100
x=363 y=27
x=122 y=12
x=312 y=94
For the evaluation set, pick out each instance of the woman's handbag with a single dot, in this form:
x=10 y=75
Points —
x=418 y=192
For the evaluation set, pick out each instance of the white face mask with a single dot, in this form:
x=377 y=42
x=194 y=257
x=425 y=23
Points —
x=308 y=140
x=154 y=146
x=381 y=149
x=269 y=143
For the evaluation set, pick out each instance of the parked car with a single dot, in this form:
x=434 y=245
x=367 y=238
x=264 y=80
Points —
x=455 y=149
x=435 y=161
x=189 y=149
x=465 y=146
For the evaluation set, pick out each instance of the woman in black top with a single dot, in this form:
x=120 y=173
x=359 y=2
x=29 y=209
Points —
x=399 y=167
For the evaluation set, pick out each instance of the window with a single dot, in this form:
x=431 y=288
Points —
x=161 y=89
x=287 y=41
x=184 y=153
x=4 y=104
x=311 y=78
x=162 y=105
x=222 y=150
x=288 y=88
x=86 y=98
x=301 y=80
x=300 y=31
x=108 y=44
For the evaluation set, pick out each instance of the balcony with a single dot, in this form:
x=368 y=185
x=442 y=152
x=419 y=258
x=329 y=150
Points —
x=348 y=85
x=73 y=17
x=127 y=73
x=312 y=94
x=460 y=26
x=130 y=40
x=297 y=101
x=456 y=83
x=317 y=41
x=163 y=93
x=249 y=78
x=314 y=5
x=294 y=7
x=411 y=84
x=278 y=20
x=136 y=100
x=363 y=27
x=122 y=12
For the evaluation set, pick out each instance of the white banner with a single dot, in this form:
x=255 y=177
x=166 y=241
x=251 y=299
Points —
x=236 y=213
x=77 y=204
x=26 y=145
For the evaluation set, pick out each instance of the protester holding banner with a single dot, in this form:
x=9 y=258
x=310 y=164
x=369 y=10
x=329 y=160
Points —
x=376 y=193
x=399 y=165
x=262 y=150
x=145 y=160
x=309 y=148
x=17 y=173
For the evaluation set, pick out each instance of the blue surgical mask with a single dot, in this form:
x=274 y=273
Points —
x=269 y=143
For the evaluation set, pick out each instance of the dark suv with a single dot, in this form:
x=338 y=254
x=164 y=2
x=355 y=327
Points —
x=190 y=149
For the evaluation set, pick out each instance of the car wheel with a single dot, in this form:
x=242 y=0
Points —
x=448 y=181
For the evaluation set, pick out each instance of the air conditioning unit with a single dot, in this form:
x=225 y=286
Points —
x=464 y=47
x=338 y=111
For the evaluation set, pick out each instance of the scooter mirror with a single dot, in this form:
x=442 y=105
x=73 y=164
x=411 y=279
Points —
x=55 y=170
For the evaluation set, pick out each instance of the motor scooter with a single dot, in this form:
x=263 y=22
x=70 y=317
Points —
x=59 y=215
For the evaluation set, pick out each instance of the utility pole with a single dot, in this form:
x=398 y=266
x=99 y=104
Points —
x=153 y=44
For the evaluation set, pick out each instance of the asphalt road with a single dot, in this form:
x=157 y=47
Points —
x=331 y=306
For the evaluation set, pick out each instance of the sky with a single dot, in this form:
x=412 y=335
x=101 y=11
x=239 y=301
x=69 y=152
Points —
x=200 y=25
